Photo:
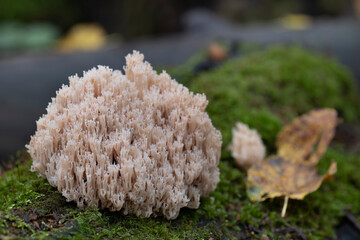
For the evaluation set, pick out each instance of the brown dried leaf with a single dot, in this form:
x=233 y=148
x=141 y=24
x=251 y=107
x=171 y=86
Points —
x=278 y=177
x=305 y=139
x=293 y=173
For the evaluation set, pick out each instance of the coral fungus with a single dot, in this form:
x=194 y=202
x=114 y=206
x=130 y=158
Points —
x=247 y=147
x=138 y=142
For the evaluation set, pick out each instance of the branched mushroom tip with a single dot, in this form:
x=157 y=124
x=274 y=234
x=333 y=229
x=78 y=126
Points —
x=140 y=142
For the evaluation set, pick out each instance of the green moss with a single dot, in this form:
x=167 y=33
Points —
x=16 y=191
x=24 y=193
x=268 y=88
x=225 y=213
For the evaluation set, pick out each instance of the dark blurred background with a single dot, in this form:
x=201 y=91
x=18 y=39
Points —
x=137 y=18
x=42 y=42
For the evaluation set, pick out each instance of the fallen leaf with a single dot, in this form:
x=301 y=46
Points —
x=305 y=140
x=278 y=177
x=292 y=173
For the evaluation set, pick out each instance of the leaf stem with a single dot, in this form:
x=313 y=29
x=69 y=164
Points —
x=283 y=212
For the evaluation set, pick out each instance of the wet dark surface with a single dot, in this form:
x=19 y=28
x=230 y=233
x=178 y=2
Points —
x=349 y=228
x=28 y=82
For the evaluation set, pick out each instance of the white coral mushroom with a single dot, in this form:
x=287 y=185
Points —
x=139 y=142
x=247 y=147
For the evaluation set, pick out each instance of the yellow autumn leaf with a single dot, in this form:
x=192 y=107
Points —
x=278 y=177
x=293 y=173
x=305 y=140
